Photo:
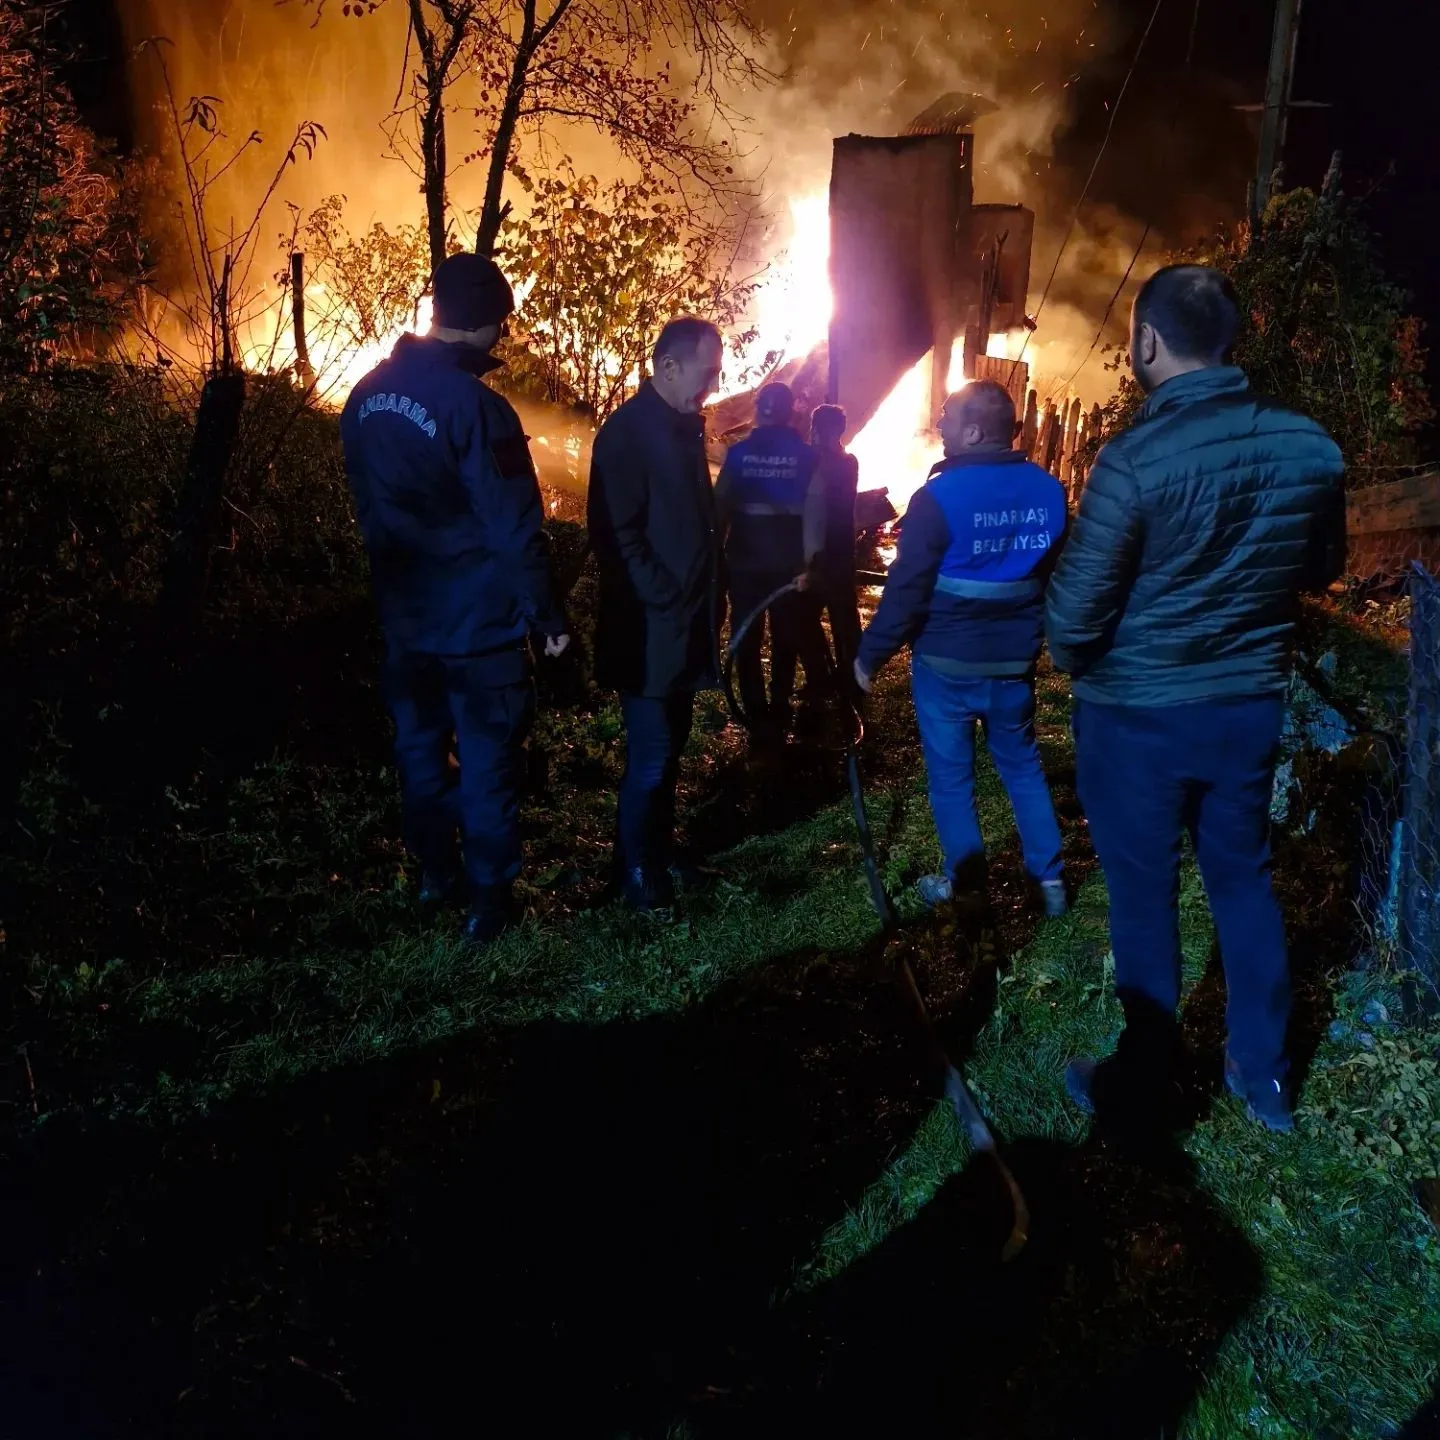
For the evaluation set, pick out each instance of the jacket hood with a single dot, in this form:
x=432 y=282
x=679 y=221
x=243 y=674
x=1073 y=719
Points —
x=445 y=352
x=1195 y=386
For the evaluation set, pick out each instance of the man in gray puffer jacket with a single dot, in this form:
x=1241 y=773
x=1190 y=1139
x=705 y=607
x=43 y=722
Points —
x=1173 y=607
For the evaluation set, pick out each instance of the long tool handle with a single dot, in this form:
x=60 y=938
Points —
x=967 y=1112
x=972 y=1121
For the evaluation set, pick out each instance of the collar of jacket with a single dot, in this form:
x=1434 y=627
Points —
x=787 y=430
x=967 y=458
x=446 y=352
x=1193 y=386
x=687 y=427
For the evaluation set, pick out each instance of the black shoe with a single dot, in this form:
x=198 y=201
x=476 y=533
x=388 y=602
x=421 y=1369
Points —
x=1131 y=1103
x=491 y=914
x=1267 y=1103
x=438 y=888
x=647 y=892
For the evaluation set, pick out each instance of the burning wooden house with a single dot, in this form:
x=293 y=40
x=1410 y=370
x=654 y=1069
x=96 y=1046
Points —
x=929 y=290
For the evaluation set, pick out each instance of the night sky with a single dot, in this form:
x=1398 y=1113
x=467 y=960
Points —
x=1180 y=155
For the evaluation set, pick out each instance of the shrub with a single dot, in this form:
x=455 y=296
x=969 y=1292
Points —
x=1325 y=331
x=598 y=269
x=70 y=252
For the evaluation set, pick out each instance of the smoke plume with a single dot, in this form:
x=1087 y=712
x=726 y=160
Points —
x=872 y=68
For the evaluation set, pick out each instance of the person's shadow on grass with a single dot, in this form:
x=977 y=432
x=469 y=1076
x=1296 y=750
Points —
x=593 y=1230
x=1104 y=1325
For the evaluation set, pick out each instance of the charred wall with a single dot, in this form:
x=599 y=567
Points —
x=906 y=246
x=896 y=205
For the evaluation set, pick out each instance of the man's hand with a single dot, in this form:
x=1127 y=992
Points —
x=556 y=645
x=802 y=580
x=862 y=678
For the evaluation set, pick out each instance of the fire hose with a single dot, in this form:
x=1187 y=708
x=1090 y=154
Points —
x=967 y=1111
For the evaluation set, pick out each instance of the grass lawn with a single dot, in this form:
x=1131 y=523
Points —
x=291 y=1161
x=281 y=1158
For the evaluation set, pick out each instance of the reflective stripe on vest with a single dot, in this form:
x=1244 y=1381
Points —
x=766 y=507
x=989 y=589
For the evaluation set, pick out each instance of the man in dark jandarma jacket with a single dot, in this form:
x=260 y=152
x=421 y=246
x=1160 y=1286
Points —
x=1173 y=607
x=448 y=502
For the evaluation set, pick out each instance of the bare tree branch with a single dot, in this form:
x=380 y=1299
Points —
x=585 y=62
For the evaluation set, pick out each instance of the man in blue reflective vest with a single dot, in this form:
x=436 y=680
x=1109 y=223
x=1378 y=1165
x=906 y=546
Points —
x=448 y=503
x=761 y=499
x=967 y=593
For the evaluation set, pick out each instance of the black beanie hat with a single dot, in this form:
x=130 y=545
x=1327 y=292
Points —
x=775 y=403
x=470 y=293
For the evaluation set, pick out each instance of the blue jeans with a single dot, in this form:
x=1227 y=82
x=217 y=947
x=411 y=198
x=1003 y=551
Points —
x=1146 y=775
x=656 y=731
x=947 y=708
x=433 y=701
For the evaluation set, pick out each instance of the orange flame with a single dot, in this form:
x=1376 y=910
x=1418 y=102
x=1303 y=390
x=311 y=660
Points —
x=791 y=316
x=900 y=443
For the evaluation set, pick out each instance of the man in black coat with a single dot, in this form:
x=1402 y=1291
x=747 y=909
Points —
x=448 y=503
x=653 y=530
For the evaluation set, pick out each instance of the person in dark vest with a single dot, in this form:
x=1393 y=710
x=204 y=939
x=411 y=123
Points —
x=967 y=594
x=448 y=503
x=1173 y=607
x=653 y=528
x=830 y=531
x=761 y=497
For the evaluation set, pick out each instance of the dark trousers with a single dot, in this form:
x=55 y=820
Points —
x=439 y=700
x=656 y=731
x=795 y=637
x=1146 y=775
x=837 y=594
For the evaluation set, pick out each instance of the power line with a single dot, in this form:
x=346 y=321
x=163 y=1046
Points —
x=1145 y=235
x=1100 y=330
x=1089 y=180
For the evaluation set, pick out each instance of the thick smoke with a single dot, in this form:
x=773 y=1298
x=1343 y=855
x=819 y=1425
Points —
x=272 y=68
x=874 y=68
x=869 y=69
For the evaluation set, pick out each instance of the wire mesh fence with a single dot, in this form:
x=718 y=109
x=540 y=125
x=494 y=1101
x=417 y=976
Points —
x=1417 y=861
x=1360 y=776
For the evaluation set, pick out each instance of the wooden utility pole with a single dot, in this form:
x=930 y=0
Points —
x=1277 y=102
